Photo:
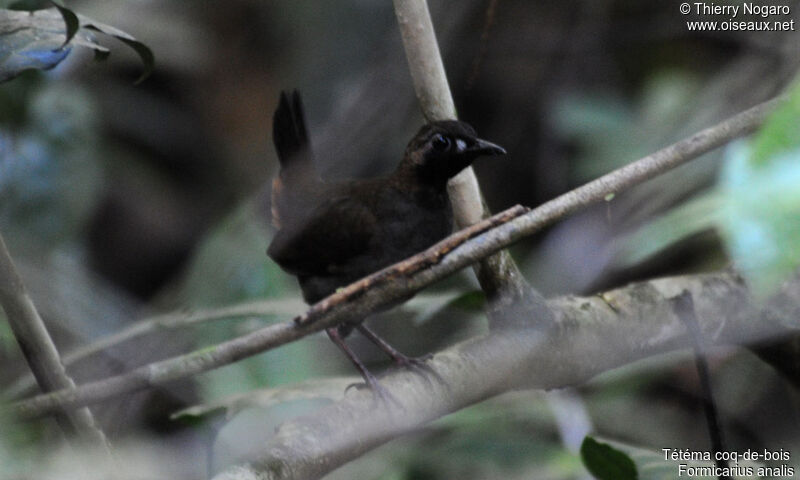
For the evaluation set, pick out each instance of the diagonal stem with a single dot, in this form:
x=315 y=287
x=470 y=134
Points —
x=498 y=274
x=40 y=351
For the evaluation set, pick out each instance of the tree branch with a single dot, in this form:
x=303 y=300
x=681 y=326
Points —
x=395 y=283
x=498 y=275
x=164 y=322
x=592 y=335
x=39 y=350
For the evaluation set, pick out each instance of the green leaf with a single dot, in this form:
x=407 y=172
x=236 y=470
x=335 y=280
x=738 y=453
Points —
x=781 y=132
x=432 y=305
x=609 y=131
x=694 y=216
x=605 y=462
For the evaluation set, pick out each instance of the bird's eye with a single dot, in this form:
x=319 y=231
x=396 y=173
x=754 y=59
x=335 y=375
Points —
x=440 y=143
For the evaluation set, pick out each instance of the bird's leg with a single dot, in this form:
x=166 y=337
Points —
x=369 y=378
x=416 y=364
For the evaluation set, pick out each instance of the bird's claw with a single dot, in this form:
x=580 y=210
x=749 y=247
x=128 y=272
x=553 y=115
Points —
x=379 y=392
x=385 y=397
x=419 y=365
x=356 y=385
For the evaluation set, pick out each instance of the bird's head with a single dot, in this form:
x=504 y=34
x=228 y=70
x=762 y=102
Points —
x=440 y=150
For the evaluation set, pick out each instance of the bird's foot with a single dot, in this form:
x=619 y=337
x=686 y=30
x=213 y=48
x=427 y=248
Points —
x=418 y=365
x=379 y=393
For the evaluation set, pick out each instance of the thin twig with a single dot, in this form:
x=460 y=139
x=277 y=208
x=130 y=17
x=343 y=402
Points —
x=185 y=319
x=40 y=352
x=390 y=285
x=165 y=322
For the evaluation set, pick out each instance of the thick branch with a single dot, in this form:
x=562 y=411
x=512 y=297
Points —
x=592 y=335
x=397 y=282
x=39 y=349
x=498 y=275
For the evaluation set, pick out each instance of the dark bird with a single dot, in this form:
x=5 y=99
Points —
x=332 y=234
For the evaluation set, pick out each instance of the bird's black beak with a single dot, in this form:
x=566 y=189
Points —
x=484 y=147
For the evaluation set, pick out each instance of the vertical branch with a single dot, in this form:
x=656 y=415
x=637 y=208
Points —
x=511 y=298
x=435 y=99
x=40 y=351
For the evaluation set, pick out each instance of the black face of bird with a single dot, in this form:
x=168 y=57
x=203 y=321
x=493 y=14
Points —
x=443 y=149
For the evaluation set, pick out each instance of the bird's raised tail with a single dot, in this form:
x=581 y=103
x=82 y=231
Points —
x=297 y=173
x=289 y=130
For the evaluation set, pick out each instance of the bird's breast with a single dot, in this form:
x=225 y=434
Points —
x=415 y=221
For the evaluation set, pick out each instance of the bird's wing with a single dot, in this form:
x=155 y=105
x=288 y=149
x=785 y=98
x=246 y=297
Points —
x=328 y=241
x=297 y=177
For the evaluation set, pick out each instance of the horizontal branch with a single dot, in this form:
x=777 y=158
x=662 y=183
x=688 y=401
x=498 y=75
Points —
x=592 y=335
x=395 y=283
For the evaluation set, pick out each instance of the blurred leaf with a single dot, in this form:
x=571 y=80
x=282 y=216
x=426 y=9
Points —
x=42 y=39
x=756 y=206
x=781 y=132
x=49 y=171
x=606 y=462
x=473 y=300
x=230 y=266
x=18 y=447
x=432 y=305
x=328 y=388
x=15 y=99
x=760 y=217
x=8 y=343
x=611 y=132
x=692 y=217
x=601 y=126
